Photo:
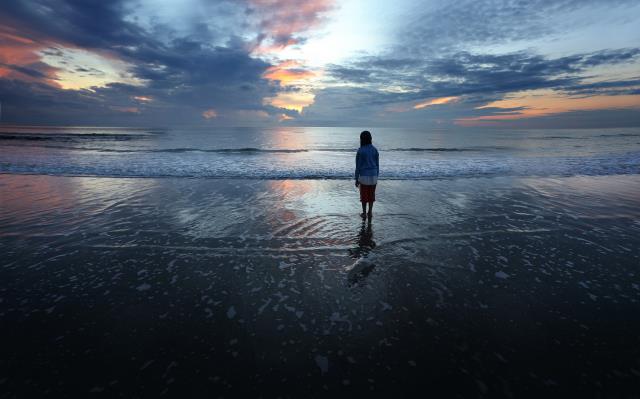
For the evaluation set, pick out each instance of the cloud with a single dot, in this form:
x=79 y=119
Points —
x=579 y=119
x=465 y=73
x=143 y=98
x=210 y=114
x=282 y=23
x=19 y=58
x=184 y=74
x=456 y=25
x=435 y=101
x=129 y=110
x=473 y=80
x=473 y=51
x=172 y=64
x=294 y=100
x=94 y=24
x=288 y=72
x=608 y=87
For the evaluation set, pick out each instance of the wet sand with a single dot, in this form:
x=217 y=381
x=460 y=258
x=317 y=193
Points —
x=194 y=287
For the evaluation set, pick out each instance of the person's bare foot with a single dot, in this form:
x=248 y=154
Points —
x=362 y=215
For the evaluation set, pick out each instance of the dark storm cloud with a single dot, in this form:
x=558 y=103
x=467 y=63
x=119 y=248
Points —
x=464 y=73
x=477 y=79
x=34 y=102
x=189 y=62
x=28 y=71
x=186 y=72
x=342 y=106
x=620 y=87
x=85 y=23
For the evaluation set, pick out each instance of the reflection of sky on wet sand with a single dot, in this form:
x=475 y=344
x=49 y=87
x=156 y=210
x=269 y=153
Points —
x=590 y=197
x=284 y=189
x=271 y=275
x=44 y=203
x=24 y=196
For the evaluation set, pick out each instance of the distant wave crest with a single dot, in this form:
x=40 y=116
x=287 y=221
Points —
x=66 y=137
x=246 y=150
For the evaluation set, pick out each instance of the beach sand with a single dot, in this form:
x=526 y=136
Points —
x=192 y=287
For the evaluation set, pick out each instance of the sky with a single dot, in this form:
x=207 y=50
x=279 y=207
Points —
x=407 y=63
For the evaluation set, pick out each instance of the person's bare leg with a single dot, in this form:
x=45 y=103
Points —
x=364 y=209
x=370 y=208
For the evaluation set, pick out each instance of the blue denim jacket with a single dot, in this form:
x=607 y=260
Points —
x=367 y=161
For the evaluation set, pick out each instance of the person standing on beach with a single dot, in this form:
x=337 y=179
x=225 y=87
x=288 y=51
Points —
x=367 y=169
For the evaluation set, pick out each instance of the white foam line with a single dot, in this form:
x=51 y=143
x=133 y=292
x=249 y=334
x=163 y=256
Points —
x=228 y=249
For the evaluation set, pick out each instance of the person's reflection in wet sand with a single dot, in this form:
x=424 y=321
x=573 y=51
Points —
x=365 y=244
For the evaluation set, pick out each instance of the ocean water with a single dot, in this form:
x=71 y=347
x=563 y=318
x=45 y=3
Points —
x=311 y=153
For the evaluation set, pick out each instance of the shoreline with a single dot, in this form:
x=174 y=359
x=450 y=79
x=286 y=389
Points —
x=323 y=178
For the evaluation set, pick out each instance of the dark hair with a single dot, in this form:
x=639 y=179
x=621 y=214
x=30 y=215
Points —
x=365 y=138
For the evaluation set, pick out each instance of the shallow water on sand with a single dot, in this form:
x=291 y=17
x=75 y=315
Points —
x=472 y=287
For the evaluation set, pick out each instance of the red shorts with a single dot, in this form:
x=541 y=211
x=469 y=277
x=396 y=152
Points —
x=367 y=193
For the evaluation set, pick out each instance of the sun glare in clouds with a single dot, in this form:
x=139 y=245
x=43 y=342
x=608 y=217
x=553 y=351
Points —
x=333 y=32
x=286 y=24
x=81 y=69
x=43 y=60
x=295 y=101
x=290 y=72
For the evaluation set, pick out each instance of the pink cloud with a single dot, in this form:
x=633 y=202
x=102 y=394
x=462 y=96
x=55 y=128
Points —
x=209 y=114
x=20 y=58
x=126 y=110
x=288 y=72
x=435 y=101
x=144 y=99
x=282 y=22
x=22 y=50
x=284 y=117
